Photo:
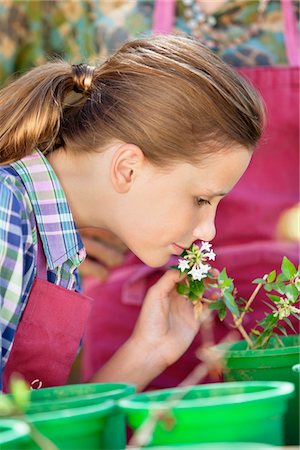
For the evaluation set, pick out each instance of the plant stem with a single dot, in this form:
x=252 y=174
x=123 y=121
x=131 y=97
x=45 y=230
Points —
x=242 y=330
x=206 y=300
x=239 y=320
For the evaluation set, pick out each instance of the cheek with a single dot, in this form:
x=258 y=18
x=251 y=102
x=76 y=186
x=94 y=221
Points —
x=182 y=221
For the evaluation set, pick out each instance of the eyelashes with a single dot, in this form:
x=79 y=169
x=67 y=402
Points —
x=202 y=201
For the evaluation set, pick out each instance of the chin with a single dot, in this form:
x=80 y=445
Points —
x=154 y=260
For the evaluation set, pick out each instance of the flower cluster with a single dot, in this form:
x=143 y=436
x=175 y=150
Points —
x=194 y=263
x=285 y=308
x=194 y=260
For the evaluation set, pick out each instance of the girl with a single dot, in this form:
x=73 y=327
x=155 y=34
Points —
x=145 y=146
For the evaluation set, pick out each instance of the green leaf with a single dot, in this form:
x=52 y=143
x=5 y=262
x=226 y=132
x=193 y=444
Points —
x=271 y=277
x=7 y=406
x=288 y=267
x=278 y=286
x=223 y=275
x=20 y=392
x=218 y=304
x=255 y=332
x=270 y=322
x=258 y=281
x=282 y=329
x=269 y=287
x=291 y=292
x=182 y=289
x=224 y=281
x=222 y=313
x=197 y=287
x=282 y=277
x=230 y=303
x=274 y=298
x=289 y=323
x=270 y=306
x=192 y=296
x=296 y=315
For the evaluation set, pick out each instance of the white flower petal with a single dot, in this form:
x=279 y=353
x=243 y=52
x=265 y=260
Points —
x=211 y=255
x=205 y=246
x=183 y=264
x=196 y=273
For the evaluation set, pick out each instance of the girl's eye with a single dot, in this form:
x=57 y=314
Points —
x=201 y=201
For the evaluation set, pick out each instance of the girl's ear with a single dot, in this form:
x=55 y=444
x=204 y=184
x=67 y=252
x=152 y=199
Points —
x=127 y=160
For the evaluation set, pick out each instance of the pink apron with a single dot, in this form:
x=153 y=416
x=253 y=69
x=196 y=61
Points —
x=49 y=333
x=246 y=243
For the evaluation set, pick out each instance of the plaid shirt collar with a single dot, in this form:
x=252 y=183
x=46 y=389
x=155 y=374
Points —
x=54 y=220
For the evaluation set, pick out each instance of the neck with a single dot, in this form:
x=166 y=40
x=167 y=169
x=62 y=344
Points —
x=83 y=181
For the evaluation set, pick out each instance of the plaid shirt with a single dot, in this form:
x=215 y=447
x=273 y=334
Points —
x=31 y=197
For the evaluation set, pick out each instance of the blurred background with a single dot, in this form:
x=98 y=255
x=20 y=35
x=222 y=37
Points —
x=242 y=32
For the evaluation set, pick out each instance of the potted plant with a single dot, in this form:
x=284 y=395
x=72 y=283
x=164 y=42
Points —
x=267 y=352
x=225 y=412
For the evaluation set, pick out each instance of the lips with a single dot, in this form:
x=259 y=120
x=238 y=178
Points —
x=178 y=249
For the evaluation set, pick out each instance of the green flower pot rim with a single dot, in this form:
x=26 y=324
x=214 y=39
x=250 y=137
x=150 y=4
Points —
x=13 y=430
x=99 y=410
x=257 y=353
x=75 y=393
x=272 y=389
x=215 y=446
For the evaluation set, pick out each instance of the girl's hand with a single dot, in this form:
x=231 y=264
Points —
x=164 y=330
x=166 y=325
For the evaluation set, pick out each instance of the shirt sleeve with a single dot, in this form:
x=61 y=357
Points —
x=11 y=264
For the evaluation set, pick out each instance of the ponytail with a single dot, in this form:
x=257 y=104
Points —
x=31 y=109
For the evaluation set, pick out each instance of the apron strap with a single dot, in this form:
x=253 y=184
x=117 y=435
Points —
x=164 y=13
x=291 y=34
x=163 y=16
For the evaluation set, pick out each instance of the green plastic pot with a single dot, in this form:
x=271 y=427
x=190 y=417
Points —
x=72 y=397
x=271 y=364
x=76 y=395
x=76 y=428
x=221 y=412
x=13 y=434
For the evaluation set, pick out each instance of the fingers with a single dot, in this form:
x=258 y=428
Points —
x=167 y=283
x=214 y=273
x=100 y=252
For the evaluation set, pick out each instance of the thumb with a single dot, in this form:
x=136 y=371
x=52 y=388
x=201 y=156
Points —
x=168 y=281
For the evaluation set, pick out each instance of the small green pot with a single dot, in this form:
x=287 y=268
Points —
x=72 y=397
x=76 y=428
x=13 y=434
x=223 y=412
x=271 y=364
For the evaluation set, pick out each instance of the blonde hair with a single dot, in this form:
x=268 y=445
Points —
x=169 y=95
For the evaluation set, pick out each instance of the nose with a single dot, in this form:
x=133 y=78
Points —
x=205 y=230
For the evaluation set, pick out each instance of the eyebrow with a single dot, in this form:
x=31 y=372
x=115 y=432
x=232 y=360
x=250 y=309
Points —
x=216 y=194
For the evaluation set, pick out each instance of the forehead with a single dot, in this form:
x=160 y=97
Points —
x=217 y=172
